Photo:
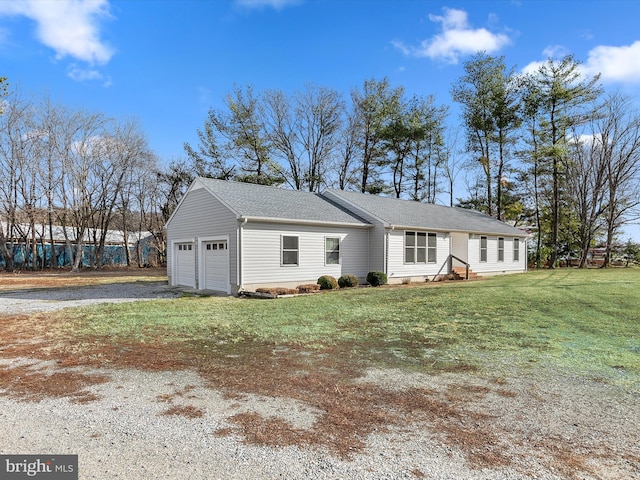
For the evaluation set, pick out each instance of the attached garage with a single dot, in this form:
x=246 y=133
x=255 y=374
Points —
x=229 y=237
x=185 y=264
x=215 y=265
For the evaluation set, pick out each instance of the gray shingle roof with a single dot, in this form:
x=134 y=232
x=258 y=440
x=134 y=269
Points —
x=407 y=213
x=273 y=203
x=265 y=202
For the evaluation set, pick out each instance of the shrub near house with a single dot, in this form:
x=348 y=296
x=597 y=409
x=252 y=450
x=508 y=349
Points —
x=234 y=237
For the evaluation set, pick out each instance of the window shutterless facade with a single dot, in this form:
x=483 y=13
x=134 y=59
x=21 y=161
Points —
x=290 y=250
x=483 y=249
x=420 y=247
x=500 y=249
x=516 y=249
x=332 y=251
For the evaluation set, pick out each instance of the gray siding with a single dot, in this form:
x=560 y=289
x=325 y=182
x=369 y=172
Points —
x=376 y=241
x=492 y=265
x=200 y=215
x=262 y=254
x=399 y=269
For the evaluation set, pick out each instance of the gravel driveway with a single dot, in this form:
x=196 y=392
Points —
x=26 y=301
x=137 y=424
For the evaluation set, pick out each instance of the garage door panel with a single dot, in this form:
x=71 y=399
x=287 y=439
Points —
x=216 y=265
x=185 y=264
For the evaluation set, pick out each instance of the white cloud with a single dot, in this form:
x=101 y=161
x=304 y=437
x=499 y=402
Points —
x=616 y=64
x=555 y=52
x=70 y=27
x=80 y=74
x=457 y=39
x=275 y=4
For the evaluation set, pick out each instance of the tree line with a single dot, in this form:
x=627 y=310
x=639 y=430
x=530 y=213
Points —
x=80 y=171
x=548 y=150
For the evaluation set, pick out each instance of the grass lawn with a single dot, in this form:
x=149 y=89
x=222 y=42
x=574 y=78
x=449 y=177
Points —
x=582 y=322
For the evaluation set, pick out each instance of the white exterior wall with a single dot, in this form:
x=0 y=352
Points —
x=201 y=217
x=397 y=267
x=261 y=253
x=376 y=235
x=492 y=265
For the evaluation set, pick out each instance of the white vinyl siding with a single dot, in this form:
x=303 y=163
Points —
x=262 y=253
x=198 y=216
x=436 y=251
x=492 y=263
x=376 y=234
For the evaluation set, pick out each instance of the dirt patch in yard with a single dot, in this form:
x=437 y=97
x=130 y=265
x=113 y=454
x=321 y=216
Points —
x=28 y=382
x=575 y=427
x=489 y=420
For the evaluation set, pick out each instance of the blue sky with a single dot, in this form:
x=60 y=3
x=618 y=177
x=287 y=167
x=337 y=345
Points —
x=166 y=62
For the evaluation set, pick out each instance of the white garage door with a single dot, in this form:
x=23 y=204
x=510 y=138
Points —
x=216 y=265
x=185 y=264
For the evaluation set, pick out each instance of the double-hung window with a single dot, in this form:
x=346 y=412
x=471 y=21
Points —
x=432 y=248
x=290 y=250
x=332 y=251
x=483 y=249
x=516 y=249
x=420 y=247
x=500 y=249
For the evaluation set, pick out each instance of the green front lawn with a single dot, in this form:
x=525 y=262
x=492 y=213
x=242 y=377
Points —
x=583 y=322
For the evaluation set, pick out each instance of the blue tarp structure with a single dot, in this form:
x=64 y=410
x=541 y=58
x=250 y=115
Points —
x=112 y=255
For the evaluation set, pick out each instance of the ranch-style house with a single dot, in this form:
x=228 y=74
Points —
x=231 y=237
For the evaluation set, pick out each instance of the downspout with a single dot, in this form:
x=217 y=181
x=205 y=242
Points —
x=239 y=254
x=386 y=249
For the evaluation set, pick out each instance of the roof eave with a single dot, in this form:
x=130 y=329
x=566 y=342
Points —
x=297 y=221
x=453 y=230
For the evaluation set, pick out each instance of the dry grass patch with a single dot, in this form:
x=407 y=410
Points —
x=188 y=411
x=25 y=382
x=65 y=278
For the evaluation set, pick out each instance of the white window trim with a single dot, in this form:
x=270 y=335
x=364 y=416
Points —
x=282 y=250
x=485 y=248
x=325 y=250
x=435 y=248
x=516 y=250
x=500 y=250
x=415 y=248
